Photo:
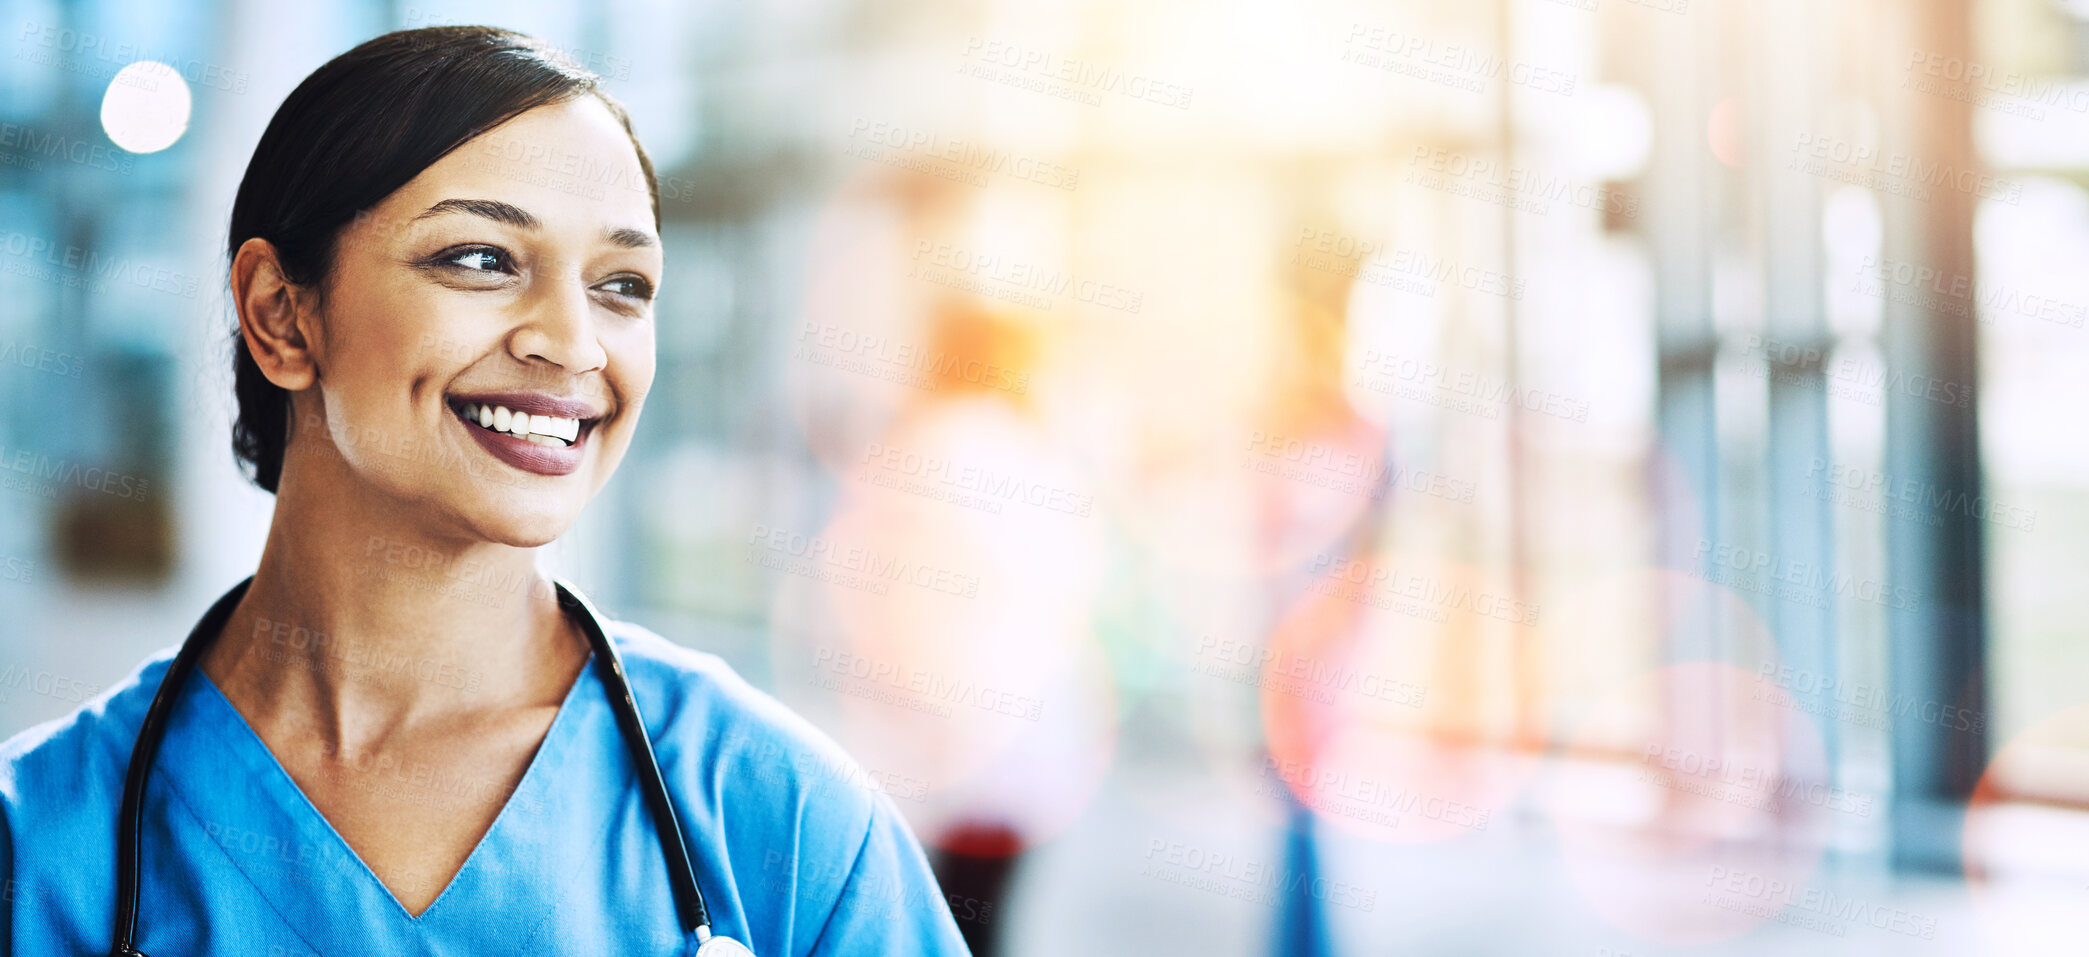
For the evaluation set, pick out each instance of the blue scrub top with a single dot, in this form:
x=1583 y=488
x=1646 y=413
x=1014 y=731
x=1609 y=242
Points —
x=796 y=850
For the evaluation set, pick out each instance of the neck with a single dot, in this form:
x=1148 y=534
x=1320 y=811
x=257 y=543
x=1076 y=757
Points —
x=364 y=621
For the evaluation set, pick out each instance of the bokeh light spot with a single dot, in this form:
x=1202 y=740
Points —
x=146 y=108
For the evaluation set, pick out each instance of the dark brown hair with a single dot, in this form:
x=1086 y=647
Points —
x=356 y=130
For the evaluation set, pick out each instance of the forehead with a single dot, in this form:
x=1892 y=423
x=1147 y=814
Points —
x=571 y=164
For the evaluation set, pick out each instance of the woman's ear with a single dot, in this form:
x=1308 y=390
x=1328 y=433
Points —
x=272 y=311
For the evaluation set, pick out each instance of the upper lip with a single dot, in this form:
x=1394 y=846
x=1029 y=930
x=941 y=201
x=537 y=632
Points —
x=535 y=403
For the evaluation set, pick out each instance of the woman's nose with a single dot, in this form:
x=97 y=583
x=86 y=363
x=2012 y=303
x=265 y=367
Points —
x=558 y=327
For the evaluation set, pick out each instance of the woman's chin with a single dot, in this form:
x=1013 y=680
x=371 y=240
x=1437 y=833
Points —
x=521 y=527
x=534 y=534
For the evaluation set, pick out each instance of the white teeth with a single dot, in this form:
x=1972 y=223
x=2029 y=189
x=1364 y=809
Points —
x=549 y=430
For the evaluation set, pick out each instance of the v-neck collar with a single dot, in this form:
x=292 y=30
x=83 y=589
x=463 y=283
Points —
x=249 y=804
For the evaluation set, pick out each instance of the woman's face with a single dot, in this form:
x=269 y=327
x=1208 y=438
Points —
x=512 y=278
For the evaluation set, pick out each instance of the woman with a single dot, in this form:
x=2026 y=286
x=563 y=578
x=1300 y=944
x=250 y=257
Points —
x=444 y=255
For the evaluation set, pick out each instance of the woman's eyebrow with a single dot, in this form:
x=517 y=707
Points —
x=520 y=218
x=628 y=238
x=492 y=209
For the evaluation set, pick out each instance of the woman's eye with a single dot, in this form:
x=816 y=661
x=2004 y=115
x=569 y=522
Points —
x=478 y=259
x=631 y=286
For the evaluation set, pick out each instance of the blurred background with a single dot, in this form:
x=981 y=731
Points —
x=1591 y=477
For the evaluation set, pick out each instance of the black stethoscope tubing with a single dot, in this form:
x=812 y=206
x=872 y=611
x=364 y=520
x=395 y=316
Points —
x=674 y=844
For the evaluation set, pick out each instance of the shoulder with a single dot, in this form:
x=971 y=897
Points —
x=62 y=782
x=695 y=704
x=83 y=755
x=676 y=683
x=811 y=829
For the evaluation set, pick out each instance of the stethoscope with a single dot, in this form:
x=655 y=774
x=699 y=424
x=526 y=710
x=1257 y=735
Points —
x=689 y=899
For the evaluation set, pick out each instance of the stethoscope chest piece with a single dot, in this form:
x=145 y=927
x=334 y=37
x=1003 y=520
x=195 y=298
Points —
x=723 y=947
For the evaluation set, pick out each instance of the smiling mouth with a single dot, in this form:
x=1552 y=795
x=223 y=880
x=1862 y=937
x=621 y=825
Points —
x=550 y=431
